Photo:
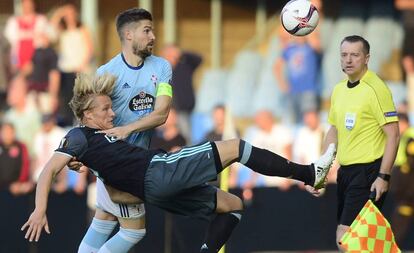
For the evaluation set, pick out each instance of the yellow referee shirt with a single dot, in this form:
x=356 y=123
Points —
x=358 y=113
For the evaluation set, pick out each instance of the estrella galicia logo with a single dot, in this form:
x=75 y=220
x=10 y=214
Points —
x=142 y=103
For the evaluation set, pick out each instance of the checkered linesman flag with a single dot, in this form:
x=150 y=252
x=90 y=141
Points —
x=369 y=232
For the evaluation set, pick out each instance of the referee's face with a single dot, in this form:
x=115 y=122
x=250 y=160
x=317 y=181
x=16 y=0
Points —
x=353 y=59
x=100 y=114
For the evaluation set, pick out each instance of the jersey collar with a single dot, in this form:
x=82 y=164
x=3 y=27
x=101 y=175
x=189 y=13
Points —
x=352 y=85
x=129 y=66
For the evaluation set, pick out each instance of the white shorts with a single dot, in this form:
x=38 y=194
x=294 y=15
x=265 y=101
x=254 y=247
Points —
x=104 y=202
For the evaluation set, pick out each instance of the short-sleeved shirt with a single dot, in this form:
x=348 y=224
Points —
x=358 y=113
x=117 y=163
x=135 y=91
x=302 y=67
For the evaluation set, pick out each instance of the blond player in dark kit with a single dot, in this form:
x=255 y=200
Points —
x=176 y=181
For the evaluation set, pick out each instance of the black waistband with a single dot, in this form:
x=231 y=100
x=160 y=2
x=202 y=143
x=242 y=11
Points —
x=377 y=161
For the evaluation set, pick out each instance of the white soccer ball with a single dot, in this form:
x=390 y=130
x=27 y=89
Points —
x=299 y=17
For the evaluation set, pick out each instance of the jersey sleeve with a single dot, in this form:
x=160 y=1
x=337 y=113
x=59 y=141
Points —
x=73 y=144
x=383 y=106
x=166 y=72
x=331 y=114
x=100 y=70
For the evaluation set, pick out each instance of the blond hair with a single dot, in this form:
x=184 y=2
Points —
x=86 y=88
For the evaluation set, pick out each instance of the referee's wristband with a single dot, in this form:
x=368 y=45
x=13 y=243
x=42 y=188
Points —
x=385 y=177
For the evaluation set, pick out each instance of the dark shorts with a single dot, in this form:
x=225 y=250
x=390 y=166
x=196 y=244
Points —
x=177 y=182
x=354 y=184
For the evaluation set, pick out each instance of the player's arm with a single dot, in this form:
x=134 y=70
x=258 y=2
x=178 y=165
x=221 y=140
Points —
x=155 y=118
x=278 y=70
x=38 y=220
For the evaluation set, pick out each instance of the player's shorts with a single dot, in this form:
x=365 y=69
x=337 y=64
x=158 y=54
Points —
x=176 y=181
x=354 y=185
x=104 y=202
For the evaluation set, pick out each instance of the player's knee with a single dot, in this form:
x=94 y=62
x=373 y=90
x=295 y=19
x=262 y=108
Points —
x=227 y=202
x=239 y=204
x=234 y=204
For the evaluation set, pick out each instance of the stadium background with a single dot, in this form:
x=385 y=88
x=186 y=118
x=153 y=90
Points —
x=276 y=220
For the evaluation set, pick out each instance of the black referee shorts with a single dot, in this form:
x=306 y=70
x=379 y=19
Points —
x=354 y=184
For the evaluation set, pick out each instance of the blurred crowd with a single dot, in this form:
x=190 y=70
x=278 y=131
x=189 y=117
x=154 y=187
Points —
x=39 y=60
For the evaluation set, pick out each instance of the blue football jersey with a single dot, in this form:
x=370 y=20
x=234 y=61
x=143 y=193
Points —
x=135 y=90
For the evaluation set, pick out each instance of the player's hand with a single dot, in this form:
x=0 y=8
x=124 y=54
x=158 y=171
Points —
x=36 y=222
x=380 y=186
x=77 y=166
x=120 y=133
x=313 y=191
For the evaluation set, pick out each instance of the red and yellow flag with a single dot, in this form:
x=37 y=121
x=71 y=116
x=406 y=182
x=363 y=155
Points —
x=369 y=232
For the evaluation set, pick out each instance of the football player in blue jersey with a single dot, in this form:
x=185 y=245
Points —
x=141 y=101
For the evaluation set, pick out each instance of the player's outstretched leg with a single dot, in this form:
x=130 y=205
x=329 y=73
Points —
x=229 y=211
x=267 y=163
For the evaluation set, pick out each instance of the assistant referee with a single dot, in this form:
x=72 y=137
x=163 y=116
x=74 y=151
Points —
x=364 y=124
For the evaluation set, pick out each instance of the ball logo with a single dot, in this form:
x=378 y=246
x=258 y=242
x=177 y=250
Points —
x=142 y=103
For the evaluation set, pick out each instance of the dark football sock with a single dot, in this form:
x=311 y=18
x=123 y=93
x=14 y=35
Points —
x=219 y=231
x=267 y=163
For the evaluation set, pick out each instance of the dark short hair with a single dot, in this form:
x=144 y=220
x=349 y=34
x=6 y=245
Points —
x=357 y=38
x=131 y=16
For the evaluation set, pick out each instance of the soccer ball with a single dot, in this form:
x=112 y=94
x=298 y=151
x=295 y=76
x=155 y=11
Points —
x=299 y=17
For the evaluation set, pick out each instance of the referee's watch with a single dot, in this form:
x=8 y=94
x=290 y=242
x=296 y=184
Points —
x=385 y=177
